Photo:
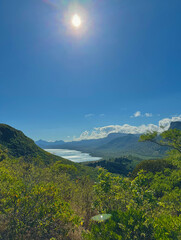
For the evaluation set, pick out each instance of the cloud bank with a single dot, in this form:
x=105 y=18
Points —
x=101 y=132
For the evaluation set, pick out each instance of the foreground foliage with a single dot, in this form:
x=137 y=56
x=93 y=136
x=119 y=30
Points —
x=147 y=205
x=54 y=202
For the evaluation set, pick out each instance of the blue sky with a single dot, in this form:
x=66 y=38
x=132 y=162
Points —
x=55 y=82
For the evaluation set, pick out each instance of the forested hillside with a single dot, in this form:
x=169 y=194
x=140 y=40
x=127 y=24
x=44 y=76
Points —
x=19 y=145
x=122 y=165
x=16 y=145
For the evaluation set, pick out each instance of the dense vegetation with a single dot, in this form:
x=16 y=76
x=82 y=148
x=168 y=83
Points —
x=39 y=202
x=57 y=201
x=122 y=165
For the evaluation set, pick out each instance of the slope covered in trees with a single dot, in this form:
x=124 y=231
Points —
x=19 y=145
x=121 y=165
x=16 y=145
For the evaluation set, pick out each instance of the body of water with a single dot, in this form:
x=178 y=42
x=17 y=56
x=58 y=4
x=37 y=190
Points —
x=73 y=155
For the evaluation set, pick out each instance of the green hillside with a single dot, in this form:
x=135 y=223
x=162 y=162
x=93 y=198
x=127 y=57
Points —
x=130 y=144
x=19 y=145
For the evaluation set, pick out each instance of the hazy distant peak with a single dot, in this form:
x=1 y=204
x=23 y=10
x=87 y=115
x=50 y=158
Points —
x=175 y=125
x=44 y=144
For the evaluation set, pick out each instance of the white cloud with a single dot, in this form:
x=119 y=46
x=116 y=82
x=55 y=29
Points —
x=165 y=123
x=89 y=115
x=102 y=115
x=137 y=114
x=148 y=115
x=101 y=132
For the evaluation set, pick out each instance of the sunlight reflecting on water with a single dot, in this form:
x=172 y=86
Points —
x=73 y=155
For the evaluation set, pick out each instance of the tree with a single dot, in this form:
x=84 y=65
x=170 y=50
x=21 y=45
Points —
x=170 y=138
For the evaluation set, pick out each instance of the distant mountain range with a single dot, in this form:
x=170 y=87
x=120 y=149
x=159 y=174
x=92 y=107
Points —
x=45 y=144
x=114 y=145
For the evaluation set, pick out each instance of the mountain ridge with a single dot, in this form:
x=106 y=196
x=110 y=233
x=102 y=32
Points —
x=116 y=144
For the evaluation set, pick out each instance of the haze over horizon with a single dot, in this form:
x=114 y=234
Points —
x=122 y=66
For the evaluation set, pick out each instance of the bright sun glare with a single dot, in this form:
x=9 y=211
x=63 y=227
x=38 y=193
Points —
x=76 y=21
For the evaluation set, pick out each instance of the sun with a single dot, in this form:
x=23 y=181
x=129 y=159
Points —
x=76 y=21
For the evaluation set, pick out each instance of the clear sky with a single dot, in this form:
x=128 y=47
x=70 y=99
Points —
x=56 y=81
